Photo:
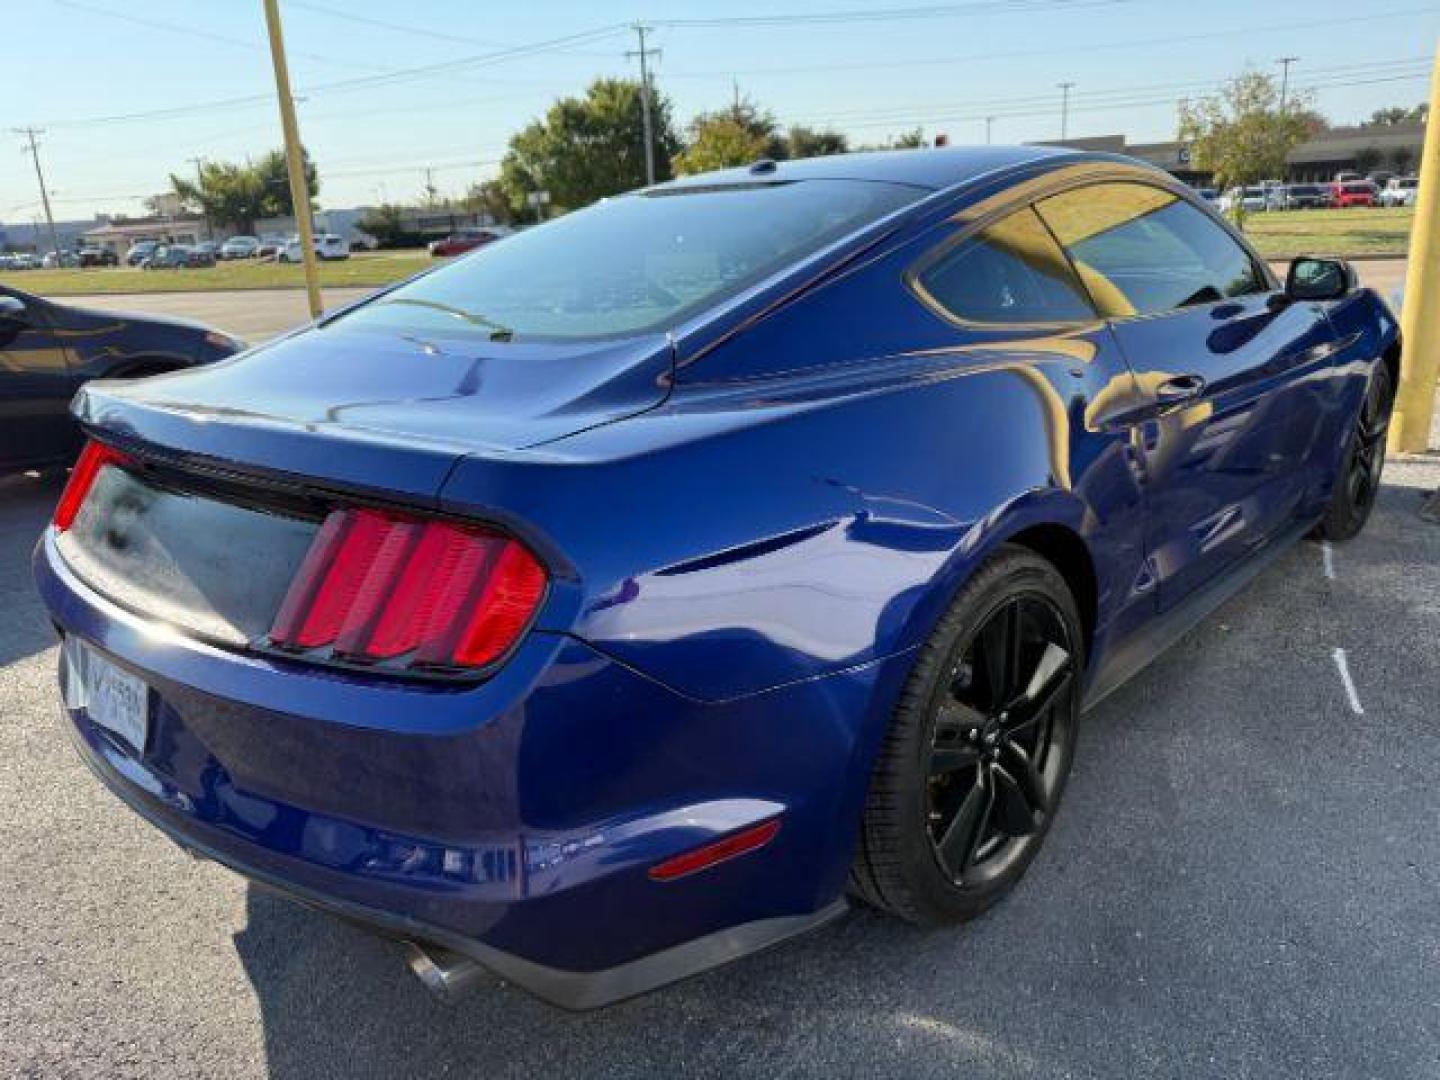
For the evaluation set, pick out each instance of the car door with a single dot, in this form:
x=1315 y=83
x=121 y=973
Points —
x=36 y=385
x=1227 y=418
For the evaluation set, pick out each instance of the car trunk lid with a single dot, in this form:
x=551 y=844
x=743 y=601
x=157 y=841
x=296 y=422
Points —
x=379 y=412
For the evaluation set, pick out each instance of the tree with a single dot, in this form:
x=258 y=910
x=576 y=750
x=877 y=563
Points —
x=911 y=140
x=386 y=224
x=238 y=194
x=735 y=135
x=803 y=142
x=274 y=173
x=1397 y=115
x=489 y=198
x=1368 y=159
x=1241 y=135
x=587 y=148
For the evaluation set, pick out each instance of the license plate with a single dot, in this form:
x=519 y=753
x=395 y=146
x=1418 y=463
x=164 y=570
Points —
x=112 y=698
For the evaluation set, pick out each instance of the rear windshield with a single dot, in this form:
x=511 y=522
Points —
x=1358 y=189
x=634 y=263
x=1304 y=189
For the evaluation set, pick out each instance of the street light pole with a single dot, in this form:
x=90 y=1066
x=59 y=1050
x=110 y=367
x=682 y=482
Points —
x=989 y=120
x=1065 y=88
x=294 y=159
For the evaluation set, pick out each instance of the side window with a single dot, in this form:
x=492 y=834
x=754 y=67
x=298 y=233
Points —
x=1011 y=273
x=1142 y=250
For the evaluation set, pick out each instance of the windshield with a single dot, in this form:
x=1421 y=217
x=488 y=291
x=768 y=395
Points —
x=634 y=263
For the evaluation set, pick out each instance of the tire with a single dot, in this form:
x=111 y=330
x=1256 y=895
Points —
x=1363 y=465
x=958 y=704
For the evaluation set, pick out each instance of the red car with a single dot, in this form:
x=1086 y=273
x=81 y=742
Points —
x=457 y=243
x=1354 y=193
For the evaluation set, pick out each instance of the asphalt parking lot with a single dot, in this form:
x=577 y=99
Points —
x=1242 y=882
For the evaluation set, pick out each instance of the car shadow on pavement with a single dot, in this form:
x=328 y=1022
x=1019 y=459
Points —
x=28 y=502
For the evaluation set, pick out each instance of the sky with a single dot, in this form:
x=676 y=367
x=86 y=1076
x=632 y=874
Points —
x=129 y=91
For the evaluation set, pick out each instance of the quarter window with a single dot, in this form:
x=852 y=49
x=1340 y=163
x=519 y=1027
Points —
x=1142 y=250
x=1011 y=273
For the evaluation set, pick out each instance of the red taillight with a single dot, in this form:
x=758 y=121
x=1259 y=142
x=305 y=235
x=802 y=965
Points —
x=740 y=843
x=93 y=458
x=378 y=587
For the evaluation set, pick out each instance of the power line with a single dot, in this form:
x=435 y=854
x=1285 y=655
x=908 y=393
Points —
x=1105 y=106
x=955 y=59
x=1093 y=98
x=978 y=7
x=418 y=31
x=384 y=78
x=197 y=32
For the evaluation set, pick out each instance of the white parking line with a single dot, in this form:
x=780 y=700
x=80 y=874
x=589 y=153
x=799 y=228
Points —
x=1328 y=554
x=1344 y=667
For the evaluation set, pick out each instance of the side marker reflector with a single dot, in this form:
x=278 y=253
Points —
x=718 y=851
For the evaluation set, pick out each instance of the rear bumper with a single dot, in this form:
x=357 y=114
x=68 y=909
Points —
x=513 y=822
x=577 y=990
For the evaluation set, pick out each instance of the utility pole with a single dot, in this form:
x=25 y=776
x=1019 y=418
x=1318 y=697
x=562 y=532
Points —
x=199 y=163
x=294 y=159
x=644 y=54
x=989 y=120
x=1065 y=88
x=1285 y=62
x=30 y=133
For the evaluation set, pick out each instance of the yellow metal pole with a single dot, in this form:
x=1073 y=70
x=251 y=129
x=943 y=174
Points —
x=1420 y=319
x=294 y=159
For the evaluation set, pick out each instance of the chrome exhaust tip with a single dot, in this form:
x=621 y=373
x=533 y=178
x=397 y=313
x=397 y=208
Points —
x=445 y=973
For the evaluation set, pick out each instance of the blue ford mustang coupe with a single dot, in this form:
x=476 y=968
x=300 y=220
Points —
x=623 y=597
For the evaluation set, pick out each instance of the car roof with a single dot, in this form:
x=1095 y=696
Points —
x=935 y=169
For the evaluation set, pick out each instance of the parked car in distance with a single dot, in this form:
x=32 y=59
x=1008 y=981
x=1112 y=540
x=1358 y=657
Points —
x=1251 y=199
x=48 y=350
x=97 y=256
x=1353 y=193
x=240 y=247
x=140 y=251
x=178 y=256
x=1400 y=191
x=20 y=260
x=450 y=647
x=463 y=240
x=1209 y=194
x=327 y=246
x=1303 y=197
x=208 y=247
x=60 y=260
x=1346 y=175
x=270 y=245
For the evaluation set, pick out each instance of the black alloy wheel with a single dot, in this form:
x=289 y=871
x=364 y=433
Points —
x=1359 y=481
x=994 y=769
x=970 y=774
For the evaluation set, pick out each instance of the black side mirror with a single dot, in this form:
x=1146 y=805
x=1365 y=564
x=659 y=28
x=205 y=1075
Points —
x=1320 y=279
x=12 y=310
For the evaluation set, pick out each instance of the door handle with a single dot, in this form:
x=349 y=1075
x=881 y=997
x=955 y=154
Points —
x=1180 y=389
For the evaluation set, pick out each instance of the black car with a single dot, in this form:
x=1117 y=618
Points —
x=98 y=256
x=1306 y=197
x=47 y=350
